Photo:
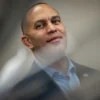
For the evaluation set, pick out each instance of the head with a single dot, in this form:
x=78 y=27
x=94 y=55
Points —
x=43 y=31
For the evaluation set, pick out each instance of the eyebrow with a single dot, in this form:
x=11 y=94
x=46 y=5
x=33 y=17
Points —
x=54 y=17
x=38 y=21
x=42 y=20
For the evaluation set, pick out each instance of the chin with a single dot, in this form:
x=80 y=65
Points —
x=51 y=52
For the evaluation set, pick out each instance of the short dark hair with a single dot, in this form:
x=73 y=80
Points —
x=24 y=16
x=23 y=21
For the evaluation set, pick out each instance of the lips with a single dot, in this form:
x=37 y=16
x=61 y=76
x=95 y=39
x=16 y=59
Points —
x=54 y=38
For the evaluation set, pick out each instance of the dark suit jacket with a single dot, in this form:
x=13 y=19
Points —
x=37 y=85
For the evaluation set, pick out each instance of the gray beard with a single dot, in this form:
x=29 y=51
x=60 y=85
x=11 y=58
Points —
x=50 y=53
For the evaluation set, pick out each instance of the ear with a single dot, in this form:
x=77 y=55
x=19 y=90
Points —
x=27 y=41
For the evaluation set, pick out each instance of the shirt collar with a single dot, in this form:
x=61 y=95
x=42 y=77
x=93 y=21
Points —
x=51 y=71
x=71 y=66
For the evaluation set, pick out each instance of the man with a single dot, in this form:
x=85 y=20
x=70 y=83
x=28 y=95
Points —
x=53 y=75
x=44 y=33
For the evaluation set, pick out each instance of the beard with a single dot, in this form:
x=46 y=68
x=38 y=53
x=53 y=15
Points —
x=51 y=53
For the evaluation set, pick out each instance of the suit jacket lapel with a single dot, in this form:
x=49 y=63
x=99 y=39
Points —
x=82 y=72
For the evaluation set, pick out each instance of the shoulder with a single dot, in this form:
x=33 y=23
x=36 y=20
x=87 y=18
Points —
x=83 y=68
x=89 y=80
x=86 y=73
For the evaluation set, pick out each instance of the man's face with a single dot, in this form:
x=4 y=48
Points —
x=44 y=26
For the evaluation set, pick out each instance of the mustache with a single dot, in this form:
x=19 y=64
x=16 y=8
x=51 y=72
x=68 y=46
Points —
x=54 y=37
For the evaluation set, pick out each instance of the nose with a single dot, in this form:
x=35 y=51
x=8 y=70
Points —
x=51 y=28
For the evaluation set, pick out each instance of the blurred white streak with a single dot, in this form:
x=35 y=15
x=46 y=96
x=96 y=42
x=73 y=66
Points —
x=12 y=71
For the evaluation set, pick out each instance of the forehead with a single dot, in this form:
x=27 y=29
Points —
x=40 y=12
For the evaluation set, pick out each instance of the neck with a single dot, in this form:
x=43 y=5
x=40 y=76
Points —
x=60 y=65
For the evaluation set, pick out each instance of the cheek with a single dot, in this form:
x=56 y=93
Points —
x=61 y=28
x=40 y=37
